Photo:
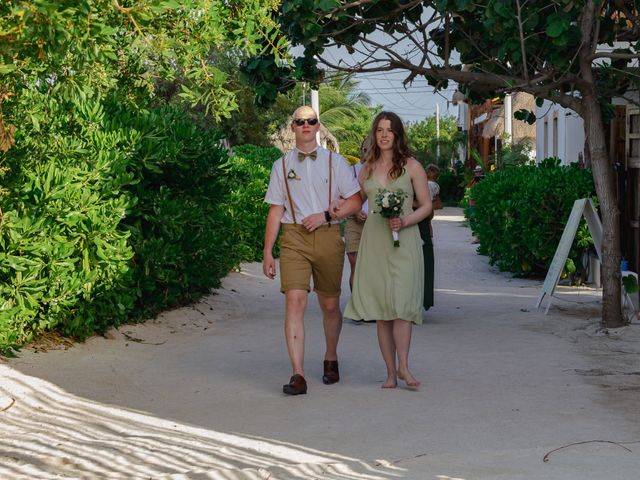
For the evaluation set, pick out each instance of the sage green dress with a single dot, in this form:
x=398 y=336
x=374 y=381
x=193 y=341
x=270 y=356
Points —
x=389 y=281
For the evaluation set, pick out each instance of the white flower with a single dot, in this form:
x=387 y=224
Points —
x=293 y=175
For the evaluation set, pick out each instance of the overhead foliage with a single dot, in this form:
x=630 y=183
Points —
x=77 y=48
x=505 y=45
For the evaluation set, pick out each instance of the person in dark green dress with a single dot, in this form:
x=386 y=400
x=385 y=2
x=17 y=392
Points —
x=427 y=254
x=426 y=233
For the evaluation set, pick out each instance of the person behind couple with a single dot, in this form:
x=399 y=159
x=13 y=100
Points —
x=433 y=172
x=355 y=223
x=388 y=283
x=306 y=186
x=426 y=233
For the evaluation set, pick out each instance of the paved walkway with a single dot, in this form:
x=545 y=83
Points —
x=196 y=393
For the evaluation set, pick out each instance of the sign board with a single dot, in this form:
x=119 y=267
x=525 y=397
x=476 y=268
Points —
x=582 y=207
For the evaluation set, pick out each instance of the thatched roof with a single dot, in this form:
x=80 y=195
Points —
x=494 y=126
x=284 y=139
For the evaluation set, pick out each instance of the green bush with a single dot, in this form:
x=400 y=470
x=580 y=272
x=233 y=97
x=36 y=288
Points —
x=111 y=214
x=107 y=215
x=64 y=262
x=520 y=214
x=183 y=241
x=246 y=175
x=515 y=153
x=451 y=185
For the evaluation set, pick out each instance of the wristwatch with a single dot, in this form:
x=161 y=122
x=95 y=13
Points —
x=327 y=217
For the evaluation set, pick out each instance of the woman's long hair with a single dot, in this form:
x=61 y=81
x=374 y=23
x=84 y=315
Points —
x=401 y=151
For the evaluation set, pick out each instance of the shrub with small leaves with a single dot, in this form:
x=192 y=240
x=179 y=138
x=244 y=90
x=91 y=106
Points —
x=520 y=214
x=246 y=175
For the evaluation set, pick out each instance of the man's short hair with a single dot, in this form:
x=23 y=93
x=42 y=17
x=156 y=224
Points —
x=304 y=111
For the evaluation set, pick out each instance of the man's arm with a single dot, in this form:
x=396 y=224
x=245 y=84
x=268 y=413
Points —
x=349 y=206
x=270 y=236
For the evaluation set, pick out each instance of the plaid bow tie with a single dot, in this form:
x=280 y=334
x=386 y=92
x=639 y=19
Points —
x=313 y=155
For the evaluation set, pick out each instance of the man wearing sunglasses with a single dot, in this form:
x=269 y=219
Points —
x=307 y=185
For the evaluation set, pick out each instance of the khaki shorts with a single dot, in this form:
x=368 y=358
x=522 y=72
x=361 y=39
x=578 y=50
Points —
x=352 y=234
x=318 y=254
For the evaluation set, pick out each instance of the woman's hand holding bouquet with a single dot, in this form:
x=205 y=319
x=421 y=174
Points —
x=390 y=205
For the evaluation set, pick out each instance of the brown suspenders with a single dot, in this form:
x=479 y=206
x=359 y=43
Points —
x=286 y=183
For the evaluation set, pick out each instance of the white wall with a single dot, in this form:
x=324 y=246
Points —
x=569 y=133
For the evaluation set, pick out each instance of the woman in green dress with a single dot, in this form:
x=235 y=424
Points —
x=388 y=282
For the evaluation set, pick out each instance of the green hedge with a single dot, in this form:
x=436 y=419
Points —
x=246 y=175
x=180 y=233
x=451 y=183
x=111 y=214
x=520 y=214
x=65 y=261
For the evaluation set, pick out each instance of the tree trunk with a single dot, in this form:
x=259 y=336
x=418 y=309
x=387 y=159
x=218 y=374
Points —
x=604 y=180
x=603 y=176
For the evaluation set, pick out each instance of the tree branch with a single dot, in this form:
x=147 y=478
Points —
x=127 y=12
x=525 y=68
x=360 y=3
x=446 y=40
x=586 y=19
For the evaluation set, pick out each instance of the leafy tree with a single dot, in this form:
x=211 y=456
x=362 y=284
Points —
x=576 y=53
x=424 y=143
x=251 y=123
x=345 y=111
x=79 y=48
x=516 y=153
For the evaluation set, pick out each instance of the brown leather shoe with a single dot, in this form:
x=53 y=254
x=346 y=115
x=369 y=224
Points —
x=331 y=373
x=297 y=386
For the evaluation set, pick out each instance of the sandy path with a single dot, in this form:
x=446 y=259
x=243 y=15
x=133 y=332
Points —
x=196 y=393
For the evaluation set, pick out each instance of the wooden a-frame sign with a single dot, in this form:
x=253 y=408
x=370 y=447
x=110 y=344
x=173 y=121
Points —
x=582 y=207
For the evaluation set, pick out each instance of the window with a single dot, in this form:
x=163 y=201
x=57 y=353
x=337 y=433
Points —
x=545 y=138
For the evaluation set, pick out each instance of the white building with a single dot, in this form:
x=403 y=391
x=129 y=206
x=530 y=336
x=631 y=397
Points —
x=559 y=133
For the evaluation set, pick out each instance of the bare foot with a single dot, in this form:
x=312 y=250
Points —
x=408 y=379
x=391 y=382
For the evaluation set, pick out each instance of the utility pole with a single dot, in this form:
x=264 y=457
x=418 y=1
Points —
x=508 y=119
x=437 y=133
x=315 y=104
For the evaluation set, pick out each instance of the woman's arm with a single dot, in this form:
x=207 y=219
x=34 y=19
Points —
x=419 y=181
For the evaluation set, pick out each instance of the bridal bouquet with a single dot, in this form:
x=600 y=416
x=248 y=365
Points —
x=390 y=203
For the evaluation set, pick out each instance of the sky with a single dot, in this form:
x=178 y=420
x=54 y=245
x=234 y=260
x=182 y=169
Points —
x=413 y=104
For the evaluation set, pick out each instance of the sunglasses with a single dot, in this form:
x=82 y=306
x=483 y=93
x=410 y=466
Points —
x=300 y=121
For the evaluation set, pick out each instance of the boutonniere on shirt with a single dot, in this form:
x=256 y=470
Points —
x=292 y=175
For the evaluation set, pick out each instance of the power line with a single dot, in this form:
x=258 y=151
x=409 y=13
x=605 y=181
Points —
x=409 y=91
x=395 y=96
x=391 y=102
